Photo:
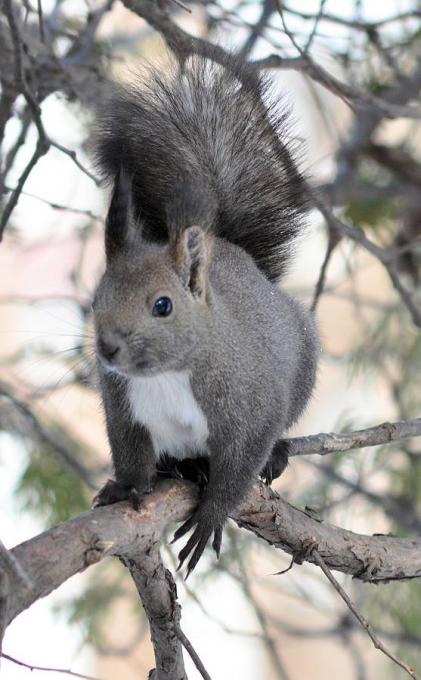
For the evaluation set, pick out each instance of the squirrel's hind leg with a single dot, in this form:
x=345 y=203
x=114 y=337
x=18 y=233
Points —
x=233 y=467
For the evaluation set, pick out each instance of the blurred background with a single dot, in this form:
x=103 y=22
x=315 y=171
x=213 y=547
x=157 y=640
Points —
x=350 y=72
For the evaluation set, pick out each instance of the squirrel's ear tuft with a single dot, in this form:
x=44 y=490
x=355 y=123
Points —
x=119 y=217
x=192 y=257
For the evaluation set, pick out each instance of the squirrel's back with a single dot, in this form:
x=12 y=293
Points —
x=202 y=148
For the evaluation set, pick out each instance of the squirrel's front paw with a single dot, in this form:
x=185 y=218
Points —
x=196 y=544
x=113 y=492
x=277 y=462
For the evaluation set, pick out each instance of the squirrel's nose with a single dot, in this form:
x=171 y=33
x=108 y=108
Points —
x=109 y=348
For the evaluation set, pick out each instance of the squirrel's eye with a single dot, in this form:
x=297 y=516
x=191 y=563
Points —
x=162 y=307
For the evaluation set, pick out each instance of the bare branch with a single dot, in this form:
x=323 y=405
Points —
x=362 y=620
x=355 y=98
x=44 y=142
x=20 y=76
x=192 y=653
x=313 y=32
x=386 y=256
x=40 y=150
x=369 y=558
x=41 y=21
x=9 y=566
x=58 y=206
x=52 y=557
x=158 y=594
x=325 y=443
x=333 y=240
x=32 y=667
x=28 y=423
x=184 y=44
x=359 y=25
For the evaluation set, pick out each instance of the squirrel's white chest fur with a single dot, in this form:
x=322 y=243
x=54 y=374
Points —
x=166 y=406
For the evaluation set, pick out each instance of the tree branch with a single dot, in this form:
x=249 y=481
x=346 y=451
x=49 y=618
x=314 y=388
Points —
x=183 y=44
x=158 y=594
x=9 y=566
x=52 y=557
x=331 y=442
x=360 y=618
x=32 y=667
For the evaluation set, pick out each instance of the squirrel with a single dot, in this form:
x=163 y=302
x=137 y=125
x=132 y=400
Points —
x=201 y=355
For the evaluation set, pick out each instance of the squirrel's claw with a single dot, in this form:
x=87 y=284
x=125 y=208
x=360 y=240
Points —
x=217 y=540
x=184 y=528
x=277 y=462
x=113 y=492
x=197 y=541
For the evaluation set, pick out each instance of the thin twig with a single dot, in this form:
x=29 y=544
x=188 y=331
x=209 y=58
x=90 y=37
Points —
x=385 y=255
x=262 y=618
x=355 y=99
x=38 y=431
x=356 y=24
x=360 y=618
x=183 y=6
x=20 y=140
x=315 y=26
x=58 y=206
x=192 y=652
x=73 y=155
x=333 y=240
x=41 y=21
x=20 y=71
x=332 y=442
x=44 y=142
x=40 y=150
x=32 y=667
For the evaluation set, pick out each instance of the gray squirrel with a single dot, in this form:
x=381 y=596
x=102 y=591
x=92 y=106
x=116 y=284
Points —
x=202 y=357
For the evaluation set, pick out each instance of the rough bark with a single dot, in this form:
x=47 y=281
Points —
x=52 y=557
x=325 y=443
x=158 y=593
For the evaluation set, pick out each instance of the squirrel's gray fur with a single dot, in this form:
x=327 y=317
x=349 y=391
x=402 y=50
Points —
x=202 y=147
x=206 y=204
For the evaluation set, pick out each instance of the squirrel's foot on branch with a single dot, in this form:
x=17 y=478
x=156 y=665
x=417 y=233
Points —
x=193 y=469
x=113 y=492
x=199 y=538
x=277 y=462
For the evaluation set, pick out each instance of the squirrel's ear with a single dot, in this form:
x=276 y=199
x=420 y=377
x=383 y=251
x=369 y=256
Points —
x=119 y=217
x=192 y=256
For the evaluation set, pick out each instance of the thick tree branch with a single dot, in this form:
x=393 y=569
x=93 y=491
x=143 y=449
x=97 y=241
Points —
x=369 y=558
x=52 y=557
x=158 y=593
x=9 y=566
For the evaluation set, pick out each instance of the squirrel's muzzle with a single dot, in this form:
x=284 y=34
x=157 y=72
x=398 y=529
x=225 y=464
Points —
x=117 y=352
x=108 y=348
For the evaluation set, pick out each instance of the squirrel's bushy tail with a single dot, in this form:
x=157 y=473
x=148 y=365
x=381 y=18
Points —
x=202 y=148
